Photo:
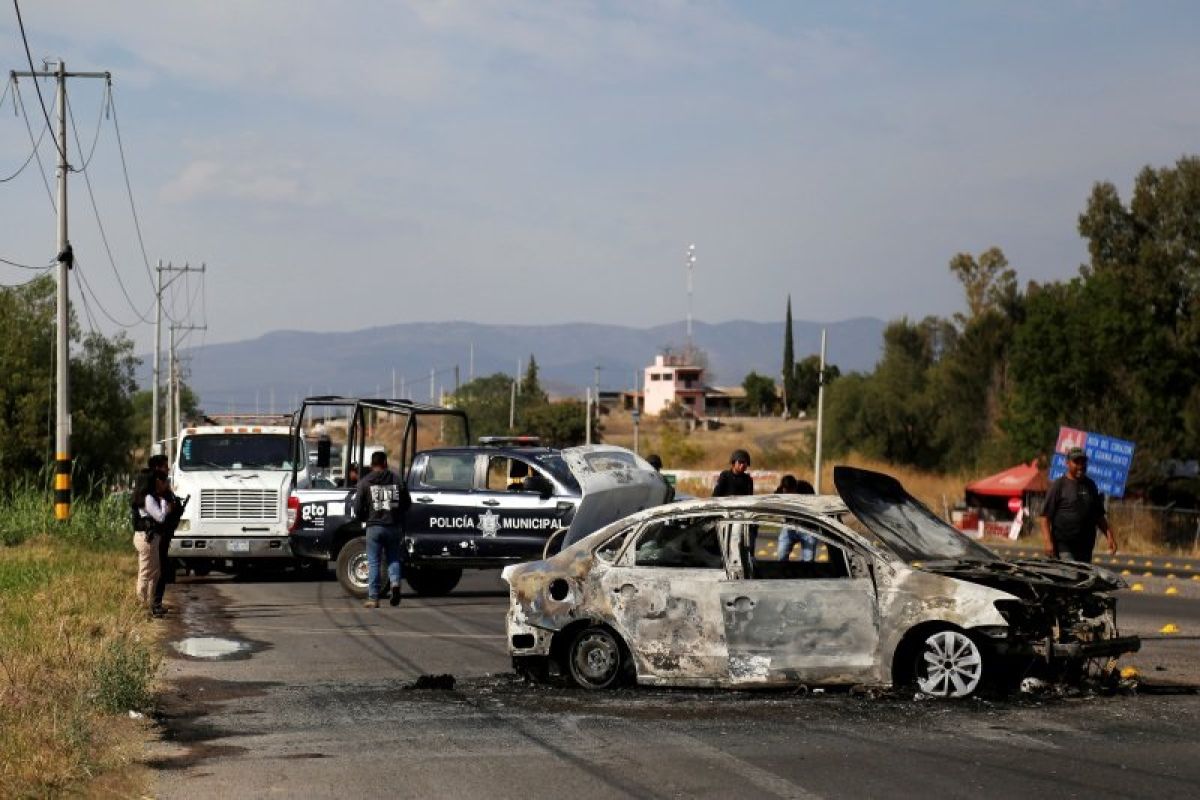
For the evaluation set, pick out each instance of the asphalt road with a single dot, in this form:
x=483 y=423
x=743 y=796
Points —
x=318 y=702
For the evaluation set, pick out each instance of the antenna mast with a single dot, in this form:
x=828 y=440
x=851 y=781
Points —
x=691 y=264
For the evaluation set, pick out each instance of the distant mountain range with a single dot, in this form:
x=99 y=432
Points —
x=275 y=369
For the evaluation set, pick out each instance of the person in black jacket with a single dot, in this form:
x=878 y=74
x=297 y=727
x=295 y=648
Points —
x=160 y=468
x=380 y=504
x=736 y=480
x=1073 y=510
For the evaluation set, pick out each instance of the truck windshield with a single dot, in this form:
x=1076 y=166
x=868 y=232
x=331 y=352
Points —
x=235 y=451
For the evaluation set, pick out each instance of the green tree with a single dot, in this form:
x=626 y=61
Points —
x=486 y=401
x=988 y=281
x=530 y=389
x=189 y=408
x=808 y=381
x=760 y=394
x=790 y=382
x=101 y=373
x=561 y=424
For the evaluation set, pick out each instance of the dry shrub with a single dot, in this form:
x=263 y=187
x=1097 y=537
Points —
x=76 y=655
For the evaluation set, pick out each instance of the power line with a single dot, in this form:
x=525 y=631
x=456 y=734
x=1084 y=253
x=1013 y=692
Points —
x=96 y=137
x=96 y=299
x=24 y=266
x=36 y=149
x=87 y=180
x=36 y=85
x=26 y=282
x=36 y=145
x=137 y=226
x=87 y=311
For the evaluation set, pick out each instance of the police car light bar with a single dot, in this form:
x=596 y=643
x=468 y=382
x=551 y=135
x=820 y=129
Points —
x=510 y=441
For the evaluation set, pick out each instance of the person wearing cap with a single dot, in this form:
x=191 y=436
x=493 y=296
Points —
x=1073 y=510
x=736 y=480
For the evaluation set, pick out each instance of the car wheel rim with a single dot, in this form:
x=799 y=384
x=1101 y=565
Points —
x=951 y=665
x=597 y=657
x=360 y=570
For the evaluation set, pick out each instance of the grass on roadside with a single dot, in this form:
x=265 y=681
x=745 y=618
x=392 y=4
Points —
x=76 y=653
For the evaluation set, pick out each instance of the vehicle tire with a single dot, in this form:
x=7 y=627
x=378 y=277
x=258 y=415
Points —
x=948 y=663
x=432 y=582
x=596 y=659
x=352 y=569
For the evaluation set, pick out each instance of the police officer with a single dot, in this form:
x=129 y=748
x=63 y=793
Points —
x=380 y=504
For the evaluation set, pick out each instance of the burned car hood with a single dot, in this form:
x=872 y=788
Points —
x=901 y=521
x=614 y=482
x=1034 y=573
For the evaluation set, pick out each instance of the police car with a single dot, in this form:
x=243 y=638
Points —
x=473 y=506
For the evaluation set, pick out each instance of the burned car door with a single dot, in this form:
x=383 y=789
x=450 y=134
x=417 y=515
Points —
x=443 y=510
x=664 y=596
x=796 y=621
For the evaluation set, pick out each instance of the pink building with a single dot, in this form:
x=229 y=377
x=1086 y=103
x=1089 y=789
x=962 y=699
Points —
x=672 y=379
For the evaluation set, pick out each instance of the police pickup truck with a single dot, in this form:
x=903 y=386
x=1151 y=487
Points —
x=473 y=506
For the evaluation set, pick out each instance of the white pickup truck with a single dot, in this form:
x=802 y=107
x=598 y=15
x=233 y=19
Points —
x=237 y=476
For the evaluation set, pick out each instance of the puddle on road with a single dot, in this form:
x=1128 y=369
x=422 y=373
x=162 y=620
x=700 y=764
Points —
x=210 y=647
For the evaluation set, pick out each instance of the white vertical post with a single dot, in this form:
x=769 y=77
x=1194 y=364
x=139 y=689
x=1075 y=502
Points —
x=154 y=390
x=820 y=416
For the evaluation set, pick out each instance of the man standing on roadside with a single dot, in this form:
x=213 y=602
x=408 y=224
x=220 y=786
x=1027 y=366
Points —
x=165 y=530
x=736 y=480
x=1073 y=510
x=380 y=504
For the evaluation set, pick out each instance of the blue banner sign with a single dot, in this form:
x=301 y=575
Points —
x=1109 y=459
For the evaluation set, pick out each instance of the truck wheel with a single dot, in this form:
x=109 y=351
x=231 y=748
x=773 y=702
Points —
x=352 y=571
x=432 y=582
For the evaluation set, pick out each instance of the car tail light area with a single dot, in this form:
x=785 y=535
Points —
x=293 y=512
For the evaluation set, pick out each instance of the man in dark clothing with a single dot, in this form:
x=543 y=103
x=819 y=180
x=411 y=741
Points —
x=164 y=531
x=1073 y=510
x=380 y=504
x=736 y=480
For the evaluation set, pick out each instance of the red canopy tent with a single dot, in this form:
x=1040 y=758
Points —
x=1012 y=482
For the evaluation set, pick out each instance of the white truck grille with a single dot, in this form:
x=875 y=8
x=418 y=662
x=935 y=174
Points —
x=239 y=504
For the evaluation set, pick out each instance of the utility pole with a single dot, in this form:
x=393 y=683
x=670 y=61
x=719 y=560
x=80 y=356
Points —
x=158 y=304
x=512 y=408
x=432 y=393
x=820 y=417
x=596 y=408
x=174 y=386
x=471 y=364
x=65 y=259
x=588 y=415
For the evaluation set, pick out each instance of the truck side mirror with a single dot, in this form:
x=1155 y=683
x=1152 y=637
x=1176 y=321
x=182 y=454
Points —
x=323 y=449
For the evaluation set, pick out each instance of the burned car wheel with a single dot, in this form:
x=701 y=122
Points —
x=596 y=659
x=949 y=663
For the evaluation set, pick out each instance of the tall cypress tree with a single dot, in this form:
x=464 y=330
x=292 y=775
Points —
x=789 y=364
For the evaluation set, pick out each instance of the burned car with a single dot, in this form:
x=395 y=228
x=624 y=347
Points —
x=691 y=595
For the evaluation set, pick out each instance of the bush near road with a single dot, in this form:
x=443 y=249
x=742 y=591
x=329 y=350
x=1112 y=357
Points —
x=76 y=654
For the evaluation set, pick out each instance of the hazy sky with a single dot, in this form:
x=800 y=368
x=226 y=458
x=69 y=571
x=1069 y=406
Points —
x=344 y=164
